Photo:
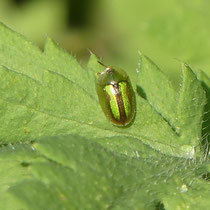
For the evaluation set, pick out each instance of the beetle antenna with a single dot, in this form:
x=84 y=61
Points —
x=102 y=64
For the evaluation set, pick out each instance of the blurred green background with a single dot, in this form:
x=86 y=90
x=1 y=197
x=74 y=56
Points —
x=165 y=30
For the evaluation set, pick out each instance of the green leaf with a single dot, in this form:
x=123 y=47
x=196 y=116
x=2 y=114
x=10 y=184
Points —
x=86 y=162
x=157 y=90
x=190 y=110
x=35 y=18
x=74 y=172
x=162 y=28
x=54 y=96
x=14 y=162
x=182 y=109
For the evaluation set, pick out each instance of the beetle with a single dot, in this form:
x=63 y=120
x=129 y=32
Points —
x=116 y=95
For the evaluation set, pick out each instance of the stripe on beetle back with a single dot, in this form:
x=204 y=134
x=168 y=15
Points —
x=126 y=101
x=111 y=91
x=118 y=99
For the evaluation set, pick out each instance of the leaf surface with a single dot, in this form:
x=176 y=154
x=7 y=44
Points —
x=58 y=151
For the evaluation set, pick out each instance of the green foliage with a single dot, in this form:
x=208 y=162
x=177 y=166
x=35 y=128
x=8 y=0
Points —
x=170 y=29
x=35 y=18
x=58 y=151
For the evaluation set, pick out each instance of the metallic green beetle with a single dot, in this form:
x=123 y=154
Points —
x=116 y=95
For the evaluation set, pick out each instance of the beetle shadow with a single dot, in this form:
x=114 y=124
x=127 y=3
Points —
x=141 y=92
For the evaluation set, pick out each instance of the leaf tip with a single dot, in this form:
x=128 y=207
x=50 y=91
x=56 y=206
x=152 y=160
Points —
x=49 y=43
x=187 y=70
